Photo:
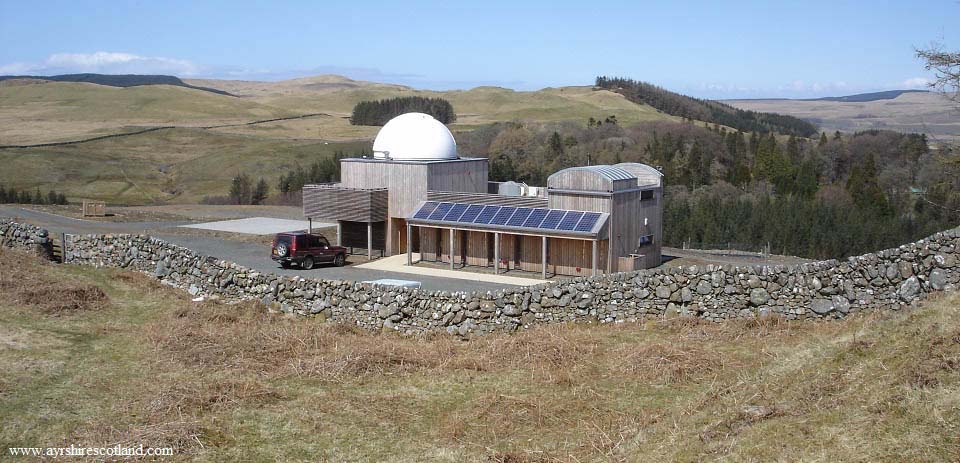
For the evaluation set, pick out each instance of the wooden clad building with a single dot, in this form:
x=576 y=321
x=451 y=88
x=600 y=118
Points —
x=408 y=183
x=649 y=212
x=606 y=189
x=417 y=195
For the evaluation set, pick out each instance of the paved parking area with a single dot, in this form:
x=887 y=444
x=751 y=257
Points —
x=251 y=255
x=257 y=225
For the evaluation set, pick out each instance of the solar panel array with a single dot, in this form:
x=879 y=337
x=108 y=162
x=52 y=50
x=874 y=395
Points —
x=509 y=216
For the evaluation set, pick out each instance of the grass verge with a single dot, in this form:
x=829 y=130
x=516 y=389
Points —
x=144 y=365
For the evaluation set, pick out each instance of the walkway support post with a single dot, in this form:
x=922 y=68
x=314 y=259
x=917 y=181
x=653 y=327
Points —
x=309 y=225
x=451 y=249
x=593 y=258
x=339 y=234
x=609 y=256
x=369 y=240
x=409 y=245
x=496 y=253
x=544 y=255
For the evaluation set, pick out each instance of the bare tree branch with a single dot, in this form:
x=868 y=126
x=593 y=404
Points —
x=946 y=67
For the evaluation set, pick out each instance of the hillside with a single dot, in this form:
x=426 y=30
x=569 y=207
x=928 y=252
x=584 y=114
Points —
x=115 y=80
x=922 y=112
x=158 y=370
x=864 y=97
x=58 y=111
x=188 y=163
x=180 y=165
x=481 y=105
x=710 y=111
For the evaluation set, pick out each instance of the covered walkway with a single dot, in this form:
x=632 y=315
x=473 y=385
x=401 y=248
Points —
x=549 y=241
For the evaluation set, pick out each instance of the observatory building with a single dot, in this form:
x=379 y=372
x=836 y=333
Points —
x=416 y=194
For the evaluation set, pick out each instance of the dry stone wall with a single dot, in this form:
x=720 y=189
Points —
x=888 y=280
x=21 y=235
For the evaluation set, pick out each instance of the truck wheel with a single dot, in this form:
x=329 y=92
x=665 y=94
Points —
x=306 y=263
x=338 y=261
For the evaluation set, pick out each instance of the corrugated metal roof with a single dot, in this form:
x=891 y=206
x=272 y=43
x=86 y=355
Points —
x=611 y=173
x=646 y=175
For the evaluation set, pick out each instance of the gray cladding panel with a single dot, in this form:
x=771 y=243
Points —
x=344 y=204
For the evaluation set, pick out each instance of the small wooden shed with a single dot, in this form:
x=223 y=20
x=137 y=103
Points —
x=94 y=209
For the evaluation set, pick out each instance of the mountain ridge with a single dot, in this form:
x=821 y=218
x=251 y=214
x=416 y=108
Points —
x=855 y=98
x=117 y=80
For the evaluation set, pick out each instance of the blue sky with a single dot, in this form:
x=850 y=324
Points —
x=707 y=49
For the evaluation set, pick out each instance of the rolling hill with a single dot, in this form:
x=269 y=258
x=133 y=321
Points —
x=211 y=138
x=710 y=111
x=33 y=112
x=864 y=97
x=481 y=105
x=114 y=80
x=172 y=165
x=905 y=111
x=264 y=128
x=45 y=111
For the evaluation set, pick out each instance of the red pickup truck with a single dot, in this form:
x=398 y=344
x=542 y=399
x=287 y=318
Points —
x=305 y=250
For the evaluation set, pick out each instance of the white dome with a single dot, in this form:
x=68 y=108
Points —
x=414 y=136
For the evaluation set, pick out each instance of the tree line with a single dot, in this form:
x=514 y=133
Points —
x=380 y=111
x=705 y=110
x=14 y=196
x=325 y=170
x=243 y=190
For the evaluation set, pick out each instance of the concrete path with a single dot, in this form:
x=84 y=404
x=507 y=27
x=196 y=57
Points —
x=257 y=225
x=398 y=264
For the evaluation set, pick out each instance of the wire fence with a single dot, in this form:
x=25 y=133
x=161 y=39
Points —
x=727 y=247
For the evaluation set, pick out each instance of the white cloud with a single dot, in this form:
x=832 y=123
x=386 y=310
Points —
x=105 y=63
x=916 y=82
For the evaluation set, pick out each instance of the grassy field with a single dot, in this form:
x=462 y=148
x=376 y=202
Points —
x=60 y=111
x=103 y=357
x=176 y=165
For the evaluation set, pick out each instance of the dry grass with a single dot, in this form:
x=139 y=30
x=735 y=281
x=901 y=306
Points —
x=24 y=283
x=227 y=382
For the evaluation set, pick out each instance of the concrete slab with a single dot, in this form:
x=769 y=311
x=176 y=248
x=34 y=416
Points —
x=257 y=225
x=398 y=264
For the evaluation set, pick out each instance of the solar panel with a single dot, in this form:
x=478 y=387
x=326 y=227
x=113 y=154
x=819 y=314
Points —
x=502 y=216
x=486 y=215
x=588 y=221
x=425 y=210
x=570 y=220
x=535 y=218
x=517 y=219
x=552 y=219
x=455 y=212
x=440 y=211
x=471 y=213
x=508 y=216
